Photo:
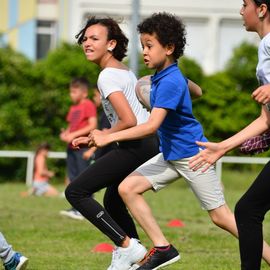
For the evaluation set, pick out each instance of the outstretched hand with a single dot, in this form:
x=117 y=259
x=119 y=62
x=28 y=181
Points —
x=207 y=157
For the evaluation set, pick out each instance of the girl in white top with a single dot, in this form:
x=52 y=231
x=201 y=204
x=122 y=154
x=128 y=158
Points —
x=105 y=45
x=255 y=203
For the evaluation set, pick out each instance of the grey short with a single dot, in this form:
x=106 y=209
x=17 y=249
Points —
x=206 y=186
x=40 y=188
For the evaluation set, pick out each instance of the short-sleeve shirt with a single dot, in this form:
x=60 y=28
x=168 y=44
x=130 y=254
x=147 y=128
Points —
x=112 y=80
x=180 y=129
x=79 y=114
x=263 y=66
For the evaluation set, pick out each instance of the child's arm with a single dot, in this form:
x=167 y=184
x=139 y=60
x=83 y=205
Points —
x=89 y=153
x=214 y=151
x=157 y=116
x=92 y=124
x=41 y=167
x=194 y=89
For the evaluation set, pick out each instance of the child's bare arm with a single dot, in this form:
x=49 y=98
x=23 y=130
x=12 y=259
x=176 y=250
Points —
x=194 y=89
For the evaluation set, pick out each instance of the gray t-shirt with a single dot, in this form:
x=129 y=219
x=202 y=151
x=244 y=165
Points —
x=263 y=67
x=113 y=80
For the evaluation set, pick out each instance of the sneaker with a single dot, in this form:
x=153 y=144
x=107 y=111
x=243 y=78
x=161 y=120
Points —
x=123 y=258
x=72 y=213
x=17 y=262
x=158 y=258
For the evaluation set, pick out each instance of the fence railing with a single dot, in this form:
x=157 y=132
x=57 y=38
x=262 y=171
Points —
x=30 y=161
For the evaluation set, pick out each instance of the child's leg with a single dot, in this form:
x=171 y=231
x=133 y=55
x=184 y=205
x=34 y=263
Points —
x=131 y=190
x=155 y=173
x=209 y=191
x=6 y=251
x=224 y=218
x=51 y=192
x=249 y=213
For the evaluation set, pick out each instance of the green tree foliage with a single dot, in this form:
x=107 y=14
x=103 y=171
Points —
x=242 y=67
x=223 y=110
x=34 y=97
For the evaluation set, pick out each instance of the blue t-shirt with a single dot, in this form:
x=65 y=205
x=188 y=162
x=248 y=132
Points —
x=180 y=129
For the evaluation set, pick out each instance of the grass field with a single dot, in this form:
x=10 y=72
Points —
x=52 y=242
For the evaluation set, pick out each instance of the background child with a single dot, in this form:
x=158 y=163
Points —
x=12 y=260
x=81 y=118
x=42 y=175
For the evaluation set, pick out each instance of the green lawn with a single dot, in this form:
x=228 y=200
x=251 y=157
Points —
x=34 y=227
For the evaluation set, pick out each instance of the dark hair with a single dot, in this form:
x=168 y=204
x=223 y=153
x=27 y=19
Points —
x=80 y=82
x=43 y=146
x=169 y=30
x=114 y=32
x=259 y=2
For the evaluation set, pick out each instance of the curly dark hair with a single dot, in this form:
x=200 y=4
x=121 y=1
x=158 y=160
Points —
x=114 y=32
x=169 y=30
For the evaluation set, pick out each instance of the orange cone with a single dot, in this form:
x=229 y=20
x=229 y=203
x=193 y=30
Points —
x=103 y=247
x=176 y=223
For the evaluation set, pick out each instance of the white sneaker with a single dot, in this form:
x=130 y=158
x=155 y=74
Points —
x=123 y=258
x=72 y=214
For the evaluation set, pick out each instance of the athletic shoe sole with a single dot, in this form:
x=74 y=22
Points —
x=173 y=260
x=22 y=264
x=71 y=215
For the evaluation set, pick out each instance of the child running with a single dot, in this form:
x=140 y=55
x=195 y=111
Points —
x=105 y=45
x=163 y=40
x=255 y=203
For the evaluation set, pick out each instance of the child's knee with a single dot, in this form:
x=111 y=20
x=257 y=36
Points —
x=222 y=216
x=124 y=189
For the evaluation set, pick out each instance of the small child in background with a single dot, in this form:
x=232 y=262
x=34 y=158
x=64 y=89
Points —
x=42 y=175
x=12 y=260
x=81 y=119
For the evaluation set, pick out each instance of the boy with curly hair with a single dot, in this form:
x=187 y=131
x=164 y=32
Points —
x=163 y=41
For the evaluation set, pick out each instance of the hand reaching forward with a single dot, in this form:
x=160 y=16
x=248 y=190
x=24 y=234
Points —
x=207 y=157
x=80 y=141
x=99 y=138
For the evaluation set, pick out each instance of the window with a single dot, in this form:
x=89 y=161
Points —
x=46 y=37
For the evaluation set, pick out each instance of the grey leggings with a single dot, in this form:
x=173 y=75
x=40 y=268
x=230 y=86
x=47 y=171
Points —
x=6 y=251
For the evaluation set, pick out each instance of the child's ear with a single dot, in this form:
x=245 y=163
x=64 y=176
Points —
x=170 y=49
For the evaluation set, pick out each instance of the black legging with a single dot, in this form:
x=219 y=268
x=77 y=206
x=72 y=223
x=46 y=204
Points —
x=249 y=214
x=108 y=171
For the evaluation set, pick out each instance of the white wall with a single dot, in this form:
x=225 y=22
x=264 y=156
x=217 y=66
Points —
x=214 y=27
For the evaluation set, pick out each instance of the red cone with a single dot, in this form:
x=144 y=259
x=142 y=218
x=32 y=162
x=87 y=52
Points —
x=175 y=223
x=103 y=247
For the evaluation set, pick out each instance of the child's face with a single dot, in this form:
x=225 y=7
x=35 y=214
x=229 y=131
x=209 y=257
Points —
x=250 y=13
x=154 y=54
x=77 y=94
x=95 y=43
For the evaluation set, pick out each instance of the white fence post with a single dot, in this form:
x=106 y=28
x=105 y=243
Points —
x=30 y=160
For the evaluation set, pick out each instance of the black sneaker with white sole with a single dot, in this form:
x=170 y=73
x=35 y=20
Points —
x=158 y=258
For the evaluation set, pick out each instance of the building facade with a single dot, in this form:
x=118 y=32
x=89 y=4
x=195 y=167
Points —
x=34 y=27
